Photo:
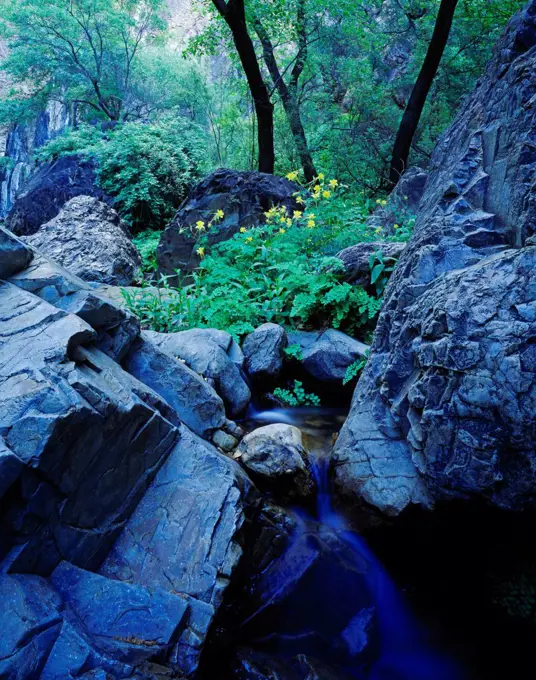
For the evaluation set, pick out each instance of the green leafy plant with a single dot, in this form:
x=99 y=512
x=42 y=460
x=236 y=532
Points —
x=147 y=242
x=381 y=268
x=147 y=168
x=297 y=396
x=294 y=352
x=354 y=369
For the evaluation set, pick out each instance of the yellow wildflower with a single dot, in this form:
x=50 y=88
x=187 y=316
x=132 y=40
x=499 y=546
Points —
x=384 y=203
x=378 y=230
x=333 y=183
x=317 y=188
x=396 y=226
x=282 y=231
x=200 y=252
x=292 y=176
x=297 y=214
x=249 y=239
x=243 y=230
x=311 y=216
x=289 y=222
x=321 y=176
x=300 y=200
x=311 y=224
x=378 y=201
x=219 y=214
x=283 y=220
x=200 y=225
x=326 y=194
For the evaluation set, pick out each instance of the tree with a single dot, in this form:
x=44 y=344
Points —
x=289 y=93
x=417 y=100
x=233 y=11
x=85 y=51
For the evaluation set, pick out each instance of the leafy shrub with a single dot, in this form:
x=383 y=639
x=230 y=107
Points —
x=147 y=242
x=353 y=370
x=297 y=396
x=294 y=352
x=147 y=168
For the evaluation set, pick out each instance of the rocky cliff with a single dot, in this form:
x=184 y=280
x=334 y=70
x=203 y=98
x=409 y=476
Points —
x=446 y=406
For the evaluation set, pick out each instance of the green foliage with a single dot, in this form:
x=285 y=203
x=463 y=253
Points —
x=297 y=396
x=147 y=167
x=294 y=352
x=381 y=268
x=147 y=242
x=354 y=369
x=281 y=272
x=83 y=51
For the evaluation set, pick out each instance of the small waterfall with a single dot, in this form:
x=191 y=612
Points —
x=329 y=597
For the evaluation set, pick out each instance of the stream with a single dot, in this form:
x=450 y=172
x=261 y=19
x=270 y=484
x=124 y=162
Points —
x=327 y=597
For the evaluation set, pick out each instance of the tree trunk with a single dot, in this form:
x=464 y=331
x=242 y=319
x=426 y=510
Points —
x=414 y=109
x=234 y=14
x=288 y=94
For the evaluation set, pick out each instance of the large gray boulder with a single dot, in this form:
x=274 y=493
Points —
x=89 y=239
x=276 y=459
x=214 y=355
x=445 y=408
x=264 y=352
x=327 y=354
x=244 y=197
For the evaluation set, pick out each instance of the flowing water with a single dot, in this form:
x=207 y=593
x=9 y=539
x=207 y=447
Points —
x=328 y=596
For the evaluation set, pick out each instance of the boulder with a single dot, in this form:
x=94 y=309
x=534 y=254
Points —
x=48 y=189
x=185 y=537
x=276 y=459
x=243 y=197
x=402 y=204
x=89 y=239
x=327 y=354
x=263 y=353
x=194 y=400
x=445 y=406
x=214 y=355
x=356 y=259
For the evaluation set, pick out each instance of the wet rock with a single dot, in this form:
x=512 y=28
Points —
x=196 y=403
x=14 y=255
x=185 y=536
x=327 y=354
x=356 y=259
x=244 y=197
x=89 y=239
x=213 y=355
x=224 y=441
x=47 y=191
x=275 y=458
x=263 y=352
x=445 y=407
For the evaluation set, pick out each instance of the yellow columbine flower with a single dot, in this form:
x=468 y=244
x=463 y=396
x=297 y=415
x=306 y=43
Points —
x=300 y=200
x=311 y=224
x=289 y=222
x=396 y=226
x=200 y=252
x=333 y=183
x=220 y=214
x=243 y=230
x=321 y=176
x=384 y=203
x=317 y=188
x=200 y=225
x=292 y=176
x=312 y=216
x=378 y=201
x=249 y=239
x=297 y=214
x=378 y=230
x=283 y=220
x=282 y=231
x=326 y=194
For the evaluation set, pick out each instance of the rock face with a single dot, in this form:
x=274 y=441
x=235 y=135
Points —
x=356 y=259
x=275 y=457
x=446 y=406
x=89 y=239
x=263 y=352
x=47 y=191
x=327 y=354
x=244 y=197
x=215 y=356
x=90 y=456
x=403 y=202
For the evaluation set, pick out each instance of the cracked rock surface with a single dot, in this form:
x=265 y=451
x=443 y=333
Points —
x=445 y=408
